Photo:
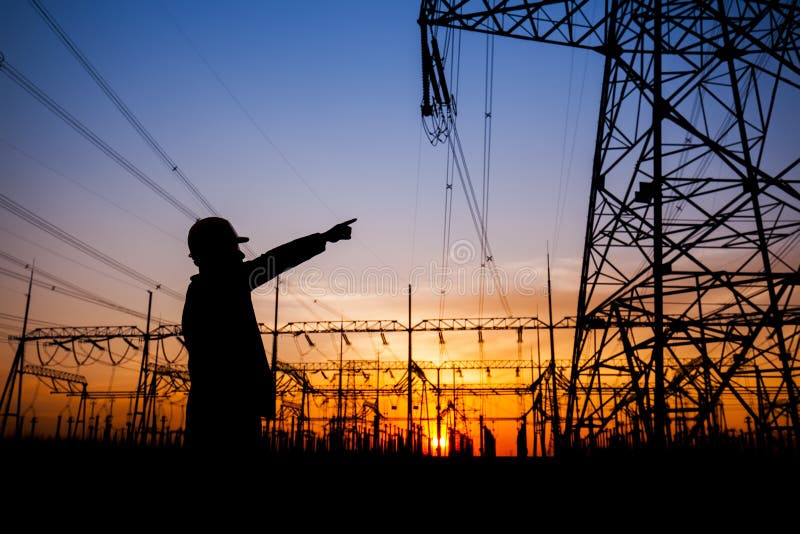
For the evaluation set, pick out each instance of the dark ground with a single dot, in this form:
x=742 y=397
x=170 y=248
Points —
x=695 y=490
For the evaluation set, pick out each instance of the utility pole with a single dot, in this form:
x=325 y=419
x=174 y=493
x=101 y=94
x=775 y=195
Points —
x=153 y=390
x=339 y=392
x=274 y=364
x=141 y=387
x=556 y=422
x=533 y=399
x=438 y=414
x=376 y=438
x=410 y=417
x=15 y=373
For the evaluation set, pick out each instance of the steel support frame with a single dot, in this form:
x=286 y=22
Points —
x=692 y=215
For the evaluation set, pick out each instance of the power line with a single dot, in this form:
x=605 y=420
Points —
x=564 y=179
x=12 y=317
x=82 y=129
x=246 y=113
x=475 y=210
x=487 y=152
x=71 y=288
x=71 y=260
x=449 y=170
x=32 y=218
x=260 y=130
x=88 y=190
x=80 y=295
x=126 y=112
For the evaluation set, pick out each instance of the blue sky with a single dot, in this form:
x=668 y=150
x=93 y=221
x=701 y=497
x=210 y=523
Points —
x=288 y=118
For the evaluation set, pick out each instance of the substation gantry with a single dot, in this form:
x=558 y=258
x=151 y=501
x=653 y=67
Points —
x=163 y=373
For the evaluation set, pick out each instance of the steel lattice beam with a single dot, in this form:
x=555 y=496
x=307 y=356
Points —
x=67 y=334
x=54 y=374
x=690 y=247
x=91 y=334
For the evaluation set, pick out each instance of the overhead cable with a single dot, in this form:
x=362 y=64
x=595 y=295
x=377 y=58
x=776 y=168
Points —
x=30 y=217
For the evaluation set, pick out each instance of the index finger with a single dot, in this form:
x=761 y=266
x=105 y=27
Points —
x=351 y=221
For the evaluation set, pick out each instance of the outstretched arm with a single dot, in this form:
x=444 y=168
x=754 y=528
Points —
x=284 y=257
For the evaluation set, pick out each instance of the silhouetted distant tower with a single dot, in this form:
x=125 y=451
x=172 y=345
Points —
x=690 y=267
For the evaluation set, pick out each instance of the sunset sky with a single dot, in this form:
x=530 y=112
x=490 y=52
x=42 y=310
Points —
x=288 y=118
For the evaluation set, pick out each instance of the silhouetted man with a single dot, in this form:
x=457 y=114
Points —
x=231 y=381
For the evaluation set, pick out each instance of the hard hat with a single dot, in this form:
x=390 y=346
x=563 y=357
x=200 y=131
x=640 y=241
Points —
x=212 y=234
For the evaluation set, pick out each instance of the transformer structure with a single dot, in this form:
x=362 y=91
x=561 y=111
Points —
x=687 y=311
x=350 y=404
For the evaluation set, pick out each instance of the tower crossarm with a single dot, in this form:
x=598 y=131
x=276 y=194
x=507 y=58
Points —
x=577 y=23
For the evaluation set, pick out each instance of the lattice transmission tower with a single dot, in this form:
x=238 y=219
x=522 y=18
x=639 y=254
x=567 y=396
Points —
x=687 y=310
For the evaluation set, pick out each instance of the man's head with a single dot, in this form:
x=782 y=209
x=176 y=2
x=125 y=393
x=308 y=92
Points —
x=214 y=241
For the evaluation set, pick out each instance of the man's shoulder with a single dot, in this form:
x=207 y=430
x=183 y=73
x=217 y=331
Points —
x=194 y=286
x=194 y=281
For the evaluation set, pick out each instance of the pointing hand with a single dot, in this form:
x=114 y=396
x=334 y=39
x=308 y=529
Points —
x=340 y=231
